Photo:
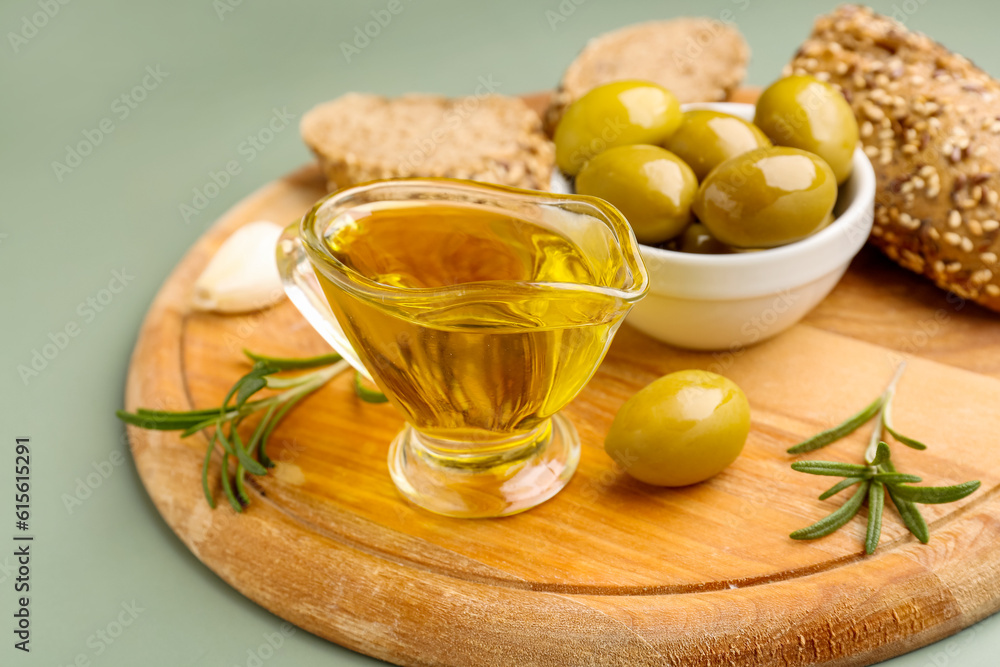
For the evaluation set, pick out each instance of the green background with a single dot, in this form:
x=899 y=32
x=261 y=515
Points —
x=60 y=240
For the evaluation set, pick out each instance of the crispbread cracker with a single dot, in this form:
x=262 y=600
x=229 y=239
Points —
x=697 y=59
x=361 y=137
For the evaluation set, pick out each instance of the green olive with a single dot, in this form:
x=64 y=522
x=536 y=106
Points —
x=697 y=239
x=767 y=197
x=706 y=139
x=681 y=429
x=615 y=114
x=803 y=112
x=652 y=187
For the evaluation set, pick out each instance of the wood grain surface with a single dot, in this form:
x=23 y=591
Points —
x=610 y=571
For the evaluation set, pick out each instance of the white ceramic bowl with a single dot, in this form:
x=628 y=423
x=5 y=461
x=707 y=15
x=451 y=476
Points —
x=717 y=302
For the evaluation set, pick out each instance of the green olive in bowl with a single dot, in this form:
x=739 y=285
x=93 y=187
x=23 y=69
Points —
x=652 y=187
x=697 y=239
x=803 y=112
x=615 y=114
x=681 y=429
x=706 y=139
x=767 y=197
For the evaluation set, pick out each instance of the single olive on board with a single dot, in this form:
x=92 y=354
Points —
x=706 y=139
x=803 y=112
x=681 y=429
x=615 y=114
x=767 y=197
x=652 y=187
x=697 y=239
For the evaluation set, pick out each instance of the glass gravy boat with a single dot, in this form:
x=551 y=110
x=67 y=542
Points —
x=480 y=311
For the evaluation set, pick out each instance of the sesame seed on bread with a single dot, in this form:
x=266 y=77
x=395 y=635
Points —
x=697 y=59
x=930 y=123
x=361 y=137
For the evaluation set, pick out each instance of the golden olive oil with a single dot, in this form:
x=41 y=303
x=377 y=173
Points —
x=470 y=337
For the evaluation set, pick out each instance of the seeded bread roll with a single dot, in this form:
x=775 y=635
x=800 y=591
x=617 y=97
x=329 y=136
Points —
x=697 y=59
x=360 y=137
x=929 y=123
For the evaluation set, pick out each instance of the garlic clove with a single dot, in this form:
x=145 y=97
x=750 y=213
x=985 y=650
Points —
x=243 y=275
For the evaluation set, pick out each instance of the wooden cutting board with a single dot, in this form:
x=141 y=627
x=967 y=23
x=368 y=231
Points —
x=610 y=571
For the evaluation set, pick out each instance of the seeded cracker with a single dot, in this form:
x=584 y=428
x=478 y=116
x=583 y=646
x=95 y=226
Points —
x=930 y=123
x=697 y=59
x=496 y=139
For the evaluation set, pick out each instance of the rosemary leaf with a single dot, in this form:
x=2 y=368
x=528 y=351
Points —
x=161 y=423
x=887 y=420
x=227 y=446
x=876 y=503
x=227 y=485
x=194 y=428
x=840 y=486
x=241 y=455
x=832 y=469
x=249 y=387
x=934 y=495
x=258 y=435
x=365 y=394
x=146 y=412
x=241 y=489
x=911 y=516
x=838 y=518
x=882 y=454
x=204 y=472
x=286 y=364
x=909 y=442
x=250 y=384
x=896 y=478
x=837 y=432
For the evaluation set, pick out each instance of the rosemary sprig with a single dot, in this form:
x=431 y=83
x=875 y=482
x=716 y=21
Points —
x=877 y=477
x=224 y=421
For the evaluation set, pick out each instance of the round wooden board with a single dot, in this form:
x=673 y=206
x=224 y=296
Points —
x=609 y=572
